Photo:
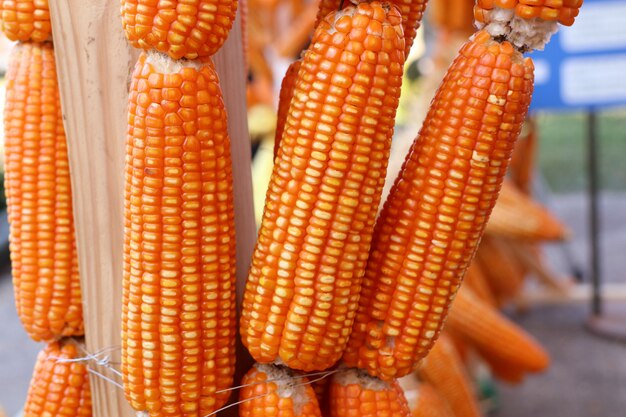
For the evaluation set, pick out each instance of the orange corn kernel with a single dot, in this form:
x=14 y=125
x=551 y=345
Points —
x=356 y=394
x=563 y=11
x=60 y=384
x=304 y=282
x=436 y=212
x=412 y=12
x=182 y=29
x=39 y=198
x=25 y=20
x=178 y=320
x=276 y=391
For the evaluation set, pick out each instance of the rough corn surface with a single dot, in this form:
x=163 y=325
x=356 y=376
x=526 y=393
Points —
x=563 y=11
x=39 y=198
x=444 y=370
x=412 y=12
x=493 y=334
x=178 y=324
x=303 y=286
x=59 y=388
x=275 y=391
x=182 y=29
x=25 y=20
x=429 y=403
x=284 y=101
x=434 y=217
x=355 y=394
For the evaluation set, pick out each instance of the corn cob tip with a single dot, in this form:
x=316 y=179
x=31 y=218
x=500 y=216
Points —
x=525 y=34
x=276 y=390
x=165 y=64
x=188 y=29
x=353 y=392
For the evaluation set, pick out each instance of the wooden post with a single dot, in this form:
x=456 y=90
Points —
x=94 y=64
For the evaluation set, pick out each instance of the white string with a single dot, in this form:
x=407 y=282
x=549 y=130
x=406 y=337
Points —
x=236 y=403
x=106 y=378
x=98 y=359
x=325 y=373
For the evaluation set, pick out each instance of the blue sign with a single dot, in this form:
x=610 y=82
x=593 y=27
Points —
x=584 y=66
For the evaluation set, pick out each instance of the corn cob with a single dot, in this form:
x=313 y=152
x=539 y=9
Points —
x=303 y=286
x=494 y=334
x=356 y=394
x=432 y=221
x=502 y=270
x=39 y=198
x=453 y=15
x=272 y=391
x=564 y=11
x=178 y=324
x=444 y=370
x=476 y=279
x=523 y=162
x=60 y=384
x=412 y=12
x=517 y=216
x=284 y=101
x=429 y=403
x=25 y=20
x=182 y=29
x=502 y=370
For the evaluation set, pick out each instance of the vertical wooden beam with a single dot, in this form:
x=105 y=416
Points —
x=94 y=64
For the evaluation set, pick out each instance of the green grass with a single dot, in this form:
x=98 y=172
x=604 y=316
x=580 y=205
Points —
x=563 y=150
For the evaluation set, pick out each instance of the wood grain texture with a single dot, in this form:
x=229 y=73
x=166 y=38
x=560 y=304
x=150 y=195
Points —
x=94 y=64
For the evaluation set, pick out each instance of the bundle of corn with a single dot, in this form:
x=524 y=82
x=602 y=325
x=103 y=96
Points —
x=39 y=203
x=178 y=317
x=299 y=299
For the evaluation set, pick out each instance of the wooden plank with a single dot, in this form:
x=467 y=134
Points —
x=94 y=65
x=94 y=62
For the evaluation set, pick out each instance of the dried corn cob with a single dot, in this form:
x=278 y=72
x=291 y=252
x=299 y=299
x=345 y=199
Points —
x=517 y=216
x=564 y=11
x=178 y=324
x=503 y=370
x=60 y=384
x=273 y=391
x=444 y=370
x=412 y=12
x=494 y=334
x=434 y=217
x=429 y=403
x=303 y=286
x=356 y=394
x=182 y=29
x=476 y=279
x=523 y=160
x=25 y=20
x=39 y=198
x=453 y=15
x=502 y=270
x=284 y=101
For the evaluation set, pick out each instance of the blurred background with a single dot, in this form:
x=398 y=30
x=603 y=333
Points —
x=535 y=270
